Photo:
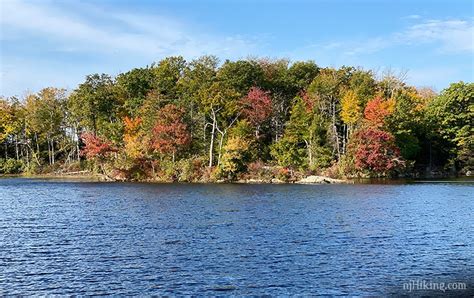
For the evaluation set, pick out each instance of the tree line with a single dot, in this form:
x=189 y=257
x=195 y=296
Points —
x=203 y=120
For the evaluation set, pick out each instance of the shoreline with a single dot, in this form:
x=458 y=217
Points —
x=309 y=180
x=105 y=179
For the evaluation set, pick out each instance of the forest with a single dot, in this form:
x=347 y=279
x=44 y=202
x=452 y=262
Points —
x=264 y=119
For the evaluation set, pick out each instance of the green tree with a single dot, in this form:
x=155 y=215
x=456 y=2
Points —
x=45 y=118
x=306 y=133
x=6 y=123
x=407 y=122
x=168 y=72
x=301 y=74
x=95 y=107
x=453 y=113
x=133 y=86
x=277 y=82
x=240 y=75
x=326 y=92
x=198 y=77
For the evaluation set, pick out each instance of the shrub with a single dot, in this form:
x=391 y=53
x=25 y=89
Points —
x=185 y=169
x=11 y=166
x=258 y=170
x=283 y=174
x=167 y=171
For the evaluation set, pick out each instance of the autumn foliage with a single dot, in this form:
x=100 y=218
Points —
x=155 y=122
x=95 y=147
x=309 y=102
x=131 y=126
x=375 y=151
x=377 y=110
x=133 y=138
x=257 y=106
x=170 y=133
x=350 y=109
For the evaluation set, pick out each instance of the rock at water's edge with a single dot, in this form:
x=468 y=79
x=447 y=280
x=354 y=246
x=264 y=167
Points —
x=320 y=180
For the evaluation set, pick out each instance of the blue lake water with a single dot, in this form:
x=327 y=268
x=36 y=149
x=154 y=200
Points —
x=86 y=238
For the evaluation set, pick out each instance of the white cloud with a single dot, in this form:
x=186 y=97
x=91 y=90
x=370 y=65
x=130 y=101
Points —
x=114 y=40
x=451 y=36
x=413 y=17
x=445 y=36
x=134 y=34
x=448 y=39
x=118 y=40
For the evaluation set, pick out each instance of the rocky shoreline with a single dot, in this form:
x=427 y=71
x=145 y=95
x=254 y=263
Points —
x=85 y=175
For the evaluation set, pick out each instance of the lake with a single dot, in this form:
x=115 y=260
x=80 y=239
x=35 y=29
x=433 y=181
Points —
x=86 y=238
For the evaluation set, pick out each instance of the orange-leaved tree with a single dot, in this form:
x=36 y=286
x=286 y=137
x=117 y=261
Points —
x=377 y=110
x=134 y=138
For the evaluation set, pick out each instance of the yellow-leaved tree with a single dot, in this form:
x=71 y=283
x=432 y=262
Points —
x=351 y=111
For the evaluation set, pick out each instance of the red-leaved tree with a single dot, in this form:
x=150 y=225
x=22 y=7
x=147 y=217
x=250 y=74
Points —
x=170 y=133
x=375 y=152
x=95 y=147
x=257 y=107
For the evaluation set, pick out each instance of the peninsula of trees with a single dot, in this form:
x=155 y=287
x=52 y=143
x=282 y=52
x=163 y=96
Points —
x=202 y=120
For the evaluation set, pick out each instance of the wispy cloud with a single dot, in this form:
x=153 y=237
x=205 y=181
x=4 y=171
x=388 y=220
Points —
x=53 y=42
x=450 y=36
x=129 y=33
x=412 y=17
x=115 y=40
x=439 y=41
x=445 y=36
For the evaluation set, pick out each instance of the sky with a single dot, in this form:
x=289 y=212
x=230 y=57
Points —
x=57 y=43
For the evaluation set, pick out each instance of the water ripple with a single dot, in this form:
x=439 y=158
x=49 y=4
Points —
x=61 y=238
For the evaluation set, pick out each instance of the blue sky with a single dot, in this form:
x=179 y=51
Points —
x=57 y=43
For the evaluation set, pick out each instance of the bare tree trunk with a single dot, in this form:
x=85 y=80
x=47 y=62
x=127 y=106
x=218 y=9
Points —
x=336 y=135
x=310 y=153
x=37 y=150
x=344 y=138
x=52 y=151
x=213 y=133
x=37 y=144
x=49 y=152
x=6 y=150
x=94 y=124
x=27 y=157
x=276 y=130
x=223 y=134
x=78 y=151
x=16 y=147
x=221 y=141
